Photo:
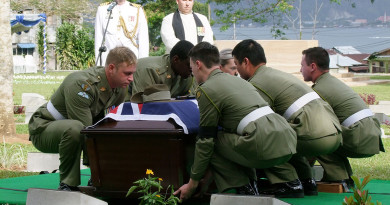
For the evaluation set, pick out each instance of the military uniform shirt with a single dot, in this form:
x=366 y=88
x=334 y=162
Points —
x=135 y=22
x=157 y=70
x=82 y=96
x=364 y=135
x=281 y=89
x=224 y=100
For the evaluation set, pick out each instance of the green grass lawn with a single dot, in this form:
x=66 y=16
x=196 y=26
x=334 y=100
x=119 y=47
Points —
x=381 y=92
x=44 y=85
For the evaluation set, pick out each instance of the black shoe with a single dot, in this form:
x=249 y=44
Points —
x=291 y=189
x=309 y=187
x=65 y=187
x=249 y=189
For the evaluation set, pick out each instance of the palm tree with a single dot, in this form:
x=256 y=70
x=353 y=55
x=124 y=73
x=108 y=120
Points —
x=7 y=123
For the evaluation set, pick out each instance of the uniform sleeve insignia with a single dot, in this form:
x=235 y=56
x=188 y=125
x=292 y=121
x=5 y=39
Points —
x=83 y=94
x=103 y=89
x=169 y=76
x=85 y=87
x=198 y=94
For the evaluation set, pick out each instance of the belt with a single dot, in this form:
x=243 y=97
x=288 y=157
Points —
x=356 y=117
x=54 y=112
x=298 y=104
x=252 y=116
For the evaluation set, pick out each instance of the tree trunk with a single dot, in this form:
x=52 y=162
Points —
x=7 y=123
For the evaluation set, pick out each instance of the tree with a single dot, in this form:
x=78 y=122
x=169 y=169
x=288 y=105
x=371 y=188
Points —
x=7 y=124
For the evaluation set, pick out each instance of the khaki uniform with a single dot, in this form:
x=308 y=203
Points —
x=127 y=27
x=361 y=139
x=224 y=100
x=317 y=127
x=82 y=99
x=157 y=70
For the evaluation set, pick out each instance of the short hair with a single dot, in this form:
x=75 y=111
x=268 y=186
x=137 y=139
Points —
x=120 y=55
x=317 y=55
x=181 y=49
x=205 y=52
x=225 y=55
x=249 y=49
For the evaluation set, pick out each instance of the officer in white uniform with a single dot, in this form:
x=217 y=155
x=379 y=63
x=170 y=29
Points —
x=127 y=27
x=194 y=32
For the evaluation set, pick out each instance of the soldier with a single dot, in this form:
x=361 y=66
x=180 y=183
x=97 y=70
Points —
x=185 y=24
x=360 y=130
x=81 y=100
x=249 y=135
x=171 y=69
x=317 y=127
x=227 y=62
x=127 y=27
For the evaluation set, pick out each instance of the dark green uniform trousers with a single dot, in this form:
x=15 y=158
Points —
x=63 y=137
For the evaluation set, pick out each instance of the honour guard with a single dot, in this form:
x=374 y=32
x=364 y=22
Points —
x=127 y=27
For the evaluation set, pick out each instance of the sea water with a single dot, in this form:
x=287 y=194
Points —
x=365 y=39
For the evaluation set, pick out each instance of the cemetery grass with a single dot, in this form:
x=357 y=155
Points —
x=380 y=91
x=43 y=84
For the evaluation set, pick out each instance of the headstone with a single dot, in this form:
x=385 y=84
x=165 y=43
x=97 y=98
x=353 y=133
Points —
x=229 y=199
x=31 y=101
x=382 y=118
x=49 y=197
x=380 y=108
x=38 y=161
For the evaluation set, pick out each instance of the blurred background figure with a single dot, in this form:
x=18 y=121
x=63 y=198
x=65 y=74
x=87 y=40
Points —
x=227 y=62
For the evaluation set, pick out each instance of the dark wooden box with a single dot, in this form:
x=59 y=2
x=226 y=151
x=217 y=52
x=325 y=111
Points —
x=120 y=152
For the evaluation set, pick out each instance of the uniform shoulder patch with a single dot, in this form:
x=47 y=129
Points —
x=135 y=5
x=105 y=3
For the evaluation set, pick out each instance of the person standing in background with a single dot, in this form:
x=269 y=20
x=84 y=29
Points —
x=127 y=27
x=184 y=24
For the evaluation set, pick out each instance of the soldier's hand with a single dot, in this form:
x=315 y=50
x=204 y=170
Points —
x=186 y=190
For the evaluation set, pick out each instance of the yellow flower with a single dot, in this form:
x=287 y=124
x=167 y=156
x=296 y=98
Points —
x=159 y=179
x=149 y=171
x=158 y=195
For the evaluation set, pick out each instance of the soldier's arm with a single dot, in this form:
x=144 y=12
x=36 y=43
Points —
x=143 y=35
x=78 y=99
x=204 y=147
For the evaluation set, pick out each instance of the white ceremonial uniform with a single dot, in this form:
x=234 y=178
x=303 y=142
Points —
x=135 y=22
x=168 y=34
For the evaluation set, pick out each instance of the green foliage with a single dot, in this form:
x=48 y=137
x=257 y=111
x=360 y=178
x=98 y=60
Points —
x=40 y=40
x=361 y=196
x=75 y=47
x=147 y=187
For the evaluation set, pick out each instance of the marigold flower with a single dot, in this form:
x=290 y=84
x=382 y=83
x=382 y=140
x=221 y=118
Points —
x=159 y=179
x=149 y=171
x=158 y=195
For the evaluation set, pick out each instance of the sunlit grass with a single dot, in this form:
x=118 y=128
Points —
x=43 y=84
x=381 y=92
x=14 y=156
x=378 y=166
